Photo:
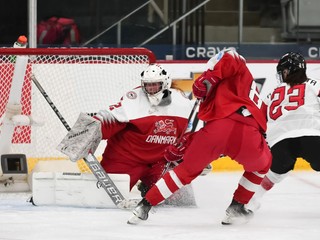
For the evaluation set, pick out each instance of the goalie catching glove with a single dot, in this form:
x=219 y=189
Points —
x=176 y=151
x=83 y=138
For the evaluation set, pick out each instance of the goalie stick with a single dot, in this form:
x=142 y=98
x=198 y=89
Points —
x=94 y=165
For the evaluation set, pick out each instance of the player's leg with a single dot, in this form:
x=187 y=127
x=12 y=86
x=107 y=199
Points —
x=252 y=152
x=284 y=156
x=310 y=150
x=207 y=145
x=201 y=151
x=133 y=169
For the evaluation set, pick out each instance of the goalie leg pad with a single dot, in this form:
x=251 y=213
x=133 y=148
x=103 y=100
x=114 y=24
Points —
x=83 y=138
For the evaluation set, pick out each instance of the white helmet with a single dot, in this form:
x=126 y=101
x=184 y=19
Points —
x=155 y=74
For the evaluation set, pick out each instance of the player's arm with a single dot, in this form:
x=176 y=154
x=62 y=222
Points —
x=109 y=124
x=85 y=136
x=223 y=65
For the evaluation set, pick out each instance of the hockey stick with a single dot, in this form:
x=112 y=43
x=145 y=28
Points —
x=190 y=127
x=94 y=165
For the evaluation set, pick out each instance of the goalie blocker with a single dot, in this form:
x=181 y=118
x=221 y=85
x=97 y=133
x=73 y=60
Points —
x=83 y=138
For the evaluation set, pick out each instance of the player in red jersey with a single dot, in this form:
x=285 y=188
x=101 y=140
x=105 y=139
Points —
x=235 y=119
x=138 y=129
x=293 y=122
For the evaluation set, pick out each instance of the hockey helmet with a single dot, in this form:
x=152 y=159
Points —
x=153 y=74
x=291 y=62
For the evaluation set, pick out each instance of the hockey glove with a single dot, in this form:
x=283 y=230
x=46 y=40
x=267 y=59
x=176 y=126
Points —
x=199 y=89
x=83 y=138
x=176 y=151
x=203 y=84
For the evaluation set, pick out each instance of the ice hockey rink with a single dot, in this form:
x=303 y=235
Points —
x=289 y=211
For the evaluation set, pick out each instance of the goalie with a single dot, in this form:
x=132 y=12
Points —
x=138 y=129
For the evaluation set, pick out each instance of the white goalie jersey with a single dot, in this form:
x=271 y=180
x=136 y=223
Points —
x=294 y=112
x=138 y=131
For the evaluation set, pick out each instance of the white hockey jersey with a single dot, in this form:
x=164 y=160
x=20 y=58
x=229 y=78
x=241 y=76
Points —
x=138 y=131
x=294 y=112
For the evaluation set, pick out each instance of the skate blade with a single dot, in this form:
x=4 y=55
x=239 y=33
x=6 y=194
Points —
x=253 y=206
x=235 y=220
x=134 y=220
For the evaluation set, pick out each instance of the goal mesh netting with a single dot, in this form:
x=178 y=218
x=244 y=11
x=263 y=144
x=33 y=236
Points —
x=76 y=80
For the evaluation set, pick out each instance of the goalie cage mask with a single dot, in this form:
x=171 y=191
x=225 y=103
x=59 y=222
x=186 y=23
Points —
x=155 y=74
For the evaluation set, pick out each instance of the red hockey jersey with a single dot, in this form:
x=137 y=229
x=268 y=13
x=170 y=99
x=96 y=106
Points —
x=138 y=132
x=235 y=88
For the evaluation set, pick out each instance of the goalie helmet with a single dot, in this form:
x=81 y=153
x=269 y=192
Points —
x=155 y=81
x=290 y=63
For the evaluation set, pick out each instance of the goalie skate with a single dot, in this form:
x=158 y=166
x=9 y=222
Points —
x=141 y=212
x=236 y=213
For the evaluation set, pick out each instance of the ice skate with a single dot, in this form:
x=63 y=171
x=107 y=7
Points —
x=142 y=188
x=236 y=213
x=254 y=204
x=141 y=212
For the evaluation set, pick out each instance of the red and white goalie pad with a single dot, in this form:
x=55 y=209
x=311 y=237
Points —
x=83 y=138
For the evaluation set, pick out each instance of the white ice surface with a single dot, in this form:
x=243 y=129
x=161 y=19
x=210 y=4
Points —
x=290 y=211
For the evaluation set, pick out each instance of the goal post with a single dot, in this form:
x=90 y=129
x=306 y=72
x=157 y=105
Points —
x=76 y=80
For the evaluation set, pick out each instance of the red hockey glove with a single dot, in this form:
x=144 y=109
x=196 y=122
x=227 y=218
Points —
x=172 y=153
x=203 y=84
x=199 y=89
x=176 y=151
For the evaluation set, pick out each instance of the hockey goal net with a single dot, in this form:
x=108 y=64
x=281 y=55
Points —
x=76 y=80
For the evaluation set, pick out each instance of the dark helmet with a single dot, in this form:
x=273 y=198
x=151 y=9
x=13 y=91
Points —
x=291 y=61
